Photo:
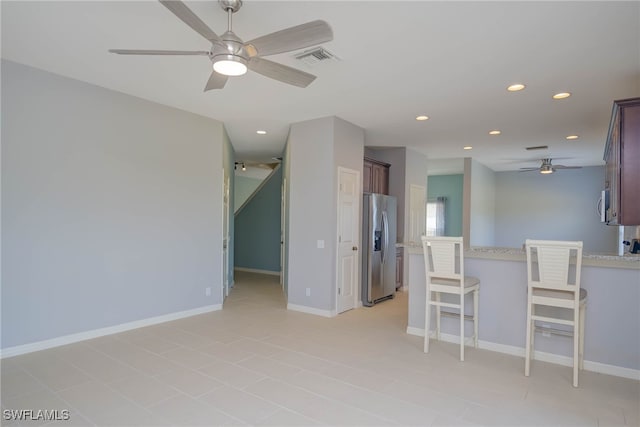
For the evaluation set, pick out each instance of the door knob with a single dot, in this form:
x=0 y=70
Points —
x=355 y=248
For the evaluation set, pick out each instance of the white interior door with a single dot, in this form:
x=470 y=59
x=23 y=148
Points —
x=225 y=237
x=348 y=239
x=417 y=212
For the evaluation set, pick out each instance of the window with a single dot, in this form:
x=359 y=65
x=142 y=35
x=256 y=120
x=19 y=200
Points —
x=435 y=216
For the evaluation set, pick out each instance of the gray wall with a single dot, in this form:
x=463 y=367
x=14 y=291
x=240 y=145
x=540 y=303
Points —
x=506 y=208
x=311 y=213
x=315 y=149
x=415 y=173
x=257 y=227
x=348 y=140
x=244 y=187
x=482 y=204
x=111 y=207
x=559 y=206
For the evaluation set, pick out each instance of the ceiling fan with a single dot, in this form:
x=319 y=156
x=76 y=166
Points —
x=546 y=167
x=232 y=57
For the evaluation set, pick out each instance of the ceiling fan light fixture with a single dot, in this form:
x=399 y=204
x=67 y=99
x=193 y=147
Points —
x=545 y=169
x=230 y=65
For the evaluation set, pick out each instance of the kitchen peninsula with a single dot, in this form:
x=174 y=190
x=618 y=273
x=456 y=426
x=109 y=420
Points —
x=612 y=330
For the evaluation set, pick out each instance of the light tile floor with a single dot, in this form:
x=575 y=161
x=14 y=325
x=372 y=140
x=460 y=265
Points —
x=255 y=363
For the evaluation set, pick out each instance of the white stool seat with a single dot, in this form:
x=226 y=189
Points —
x=559 y=294
x=444 y=269
x=468 y=281
x=553 y=282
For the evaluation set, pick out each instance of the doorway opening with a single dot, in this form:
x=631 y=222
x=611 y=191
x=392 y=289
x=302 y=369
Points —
x=258 y=220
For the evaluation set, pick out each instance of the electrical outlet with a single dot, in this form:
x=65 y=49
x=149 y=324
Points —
x=308 y=292
x=207 y=292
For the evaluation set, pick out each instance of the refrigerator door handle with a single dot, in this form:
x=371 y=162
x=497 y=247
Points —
x=385 y=225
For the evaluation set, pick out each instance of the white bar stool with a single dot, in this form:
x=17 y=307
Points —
x=553 y=280
x=444 y=268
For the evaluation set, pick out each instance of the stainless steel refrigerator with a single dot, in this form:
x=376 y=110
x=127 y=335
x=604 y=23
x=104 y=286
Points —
x=378 y=248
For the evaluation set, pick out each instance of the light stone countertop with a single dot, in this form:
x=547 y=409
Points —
x=631 y=261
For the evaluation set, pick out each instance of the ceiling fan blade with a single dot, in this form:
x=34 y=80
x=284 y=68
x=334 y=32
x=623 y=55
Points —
x=157 y=52
x=294 y=38
x=216 y=81
x=566 y=167
x=281 y=72
x=528 y=169
x=191 y=19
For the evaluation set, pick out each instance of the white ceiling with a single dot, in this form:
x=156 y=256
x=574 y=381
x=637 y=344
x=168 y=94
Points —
x=449 y=60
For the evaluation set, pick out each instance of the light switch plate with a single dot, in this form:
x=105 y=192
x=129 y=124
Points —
x=320 y=244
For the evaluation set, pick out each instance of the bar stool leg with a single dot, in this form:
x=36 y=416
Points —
x=529 y=339
x=475 y=317
x=427 y=321
x=438 y=313
x=576 y=345
x=582 y=314
x=462 y=327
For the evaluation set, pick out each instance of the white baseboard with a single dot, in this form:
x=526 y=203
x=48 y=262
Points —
x=542 y=356
x=256 y=270
x=311 y=310
x=96 y=333
x=415 y=331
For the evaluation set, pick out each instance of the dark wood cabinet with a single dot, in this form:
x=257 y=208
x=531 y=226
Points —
x=367 y=174
x=622 y=155
x=375 y=176
x=399 y=267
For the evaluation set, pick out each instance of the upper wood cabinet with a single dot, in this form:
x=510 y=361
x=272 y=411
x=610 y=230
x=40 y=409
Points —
x=622 y=154
x=375 y=176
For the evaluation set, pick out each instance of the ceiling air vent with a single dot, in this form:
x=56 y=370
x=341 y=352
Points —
x=539 y=147
x=315 y=55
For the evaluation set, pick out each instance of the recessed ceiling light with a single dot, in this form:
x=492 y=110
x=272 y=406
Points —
x=494 y=132
x=467 y=147
x=261 y=132
x=561 y=95
x=422 y=118
x=572 y=137
x=516 y=87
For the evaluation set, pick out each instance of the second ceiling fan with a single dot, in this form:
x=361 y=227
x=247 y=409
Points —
x=232 y=57
x=546 y=167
